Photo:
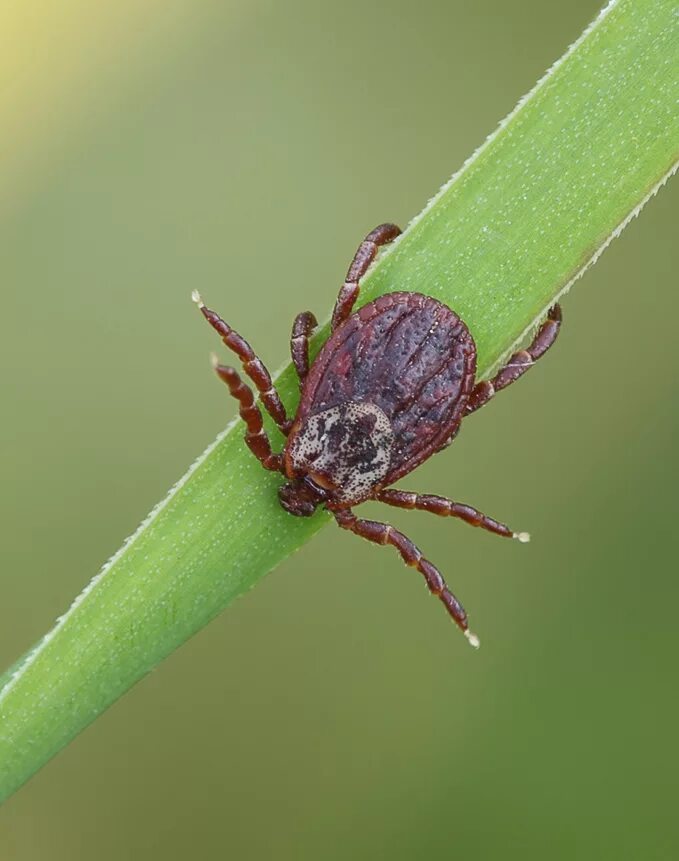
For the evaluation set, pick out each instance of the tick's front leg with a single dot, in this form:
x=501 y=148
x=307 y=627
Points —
x=252 y=364
x=382 y=533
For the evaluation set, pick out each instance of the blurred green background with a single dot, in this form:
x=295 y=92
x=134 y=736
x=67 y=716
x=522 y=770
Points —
x=152 y=147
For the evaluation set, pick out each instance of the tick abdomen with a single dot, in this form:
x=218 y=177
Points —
x=409 y=356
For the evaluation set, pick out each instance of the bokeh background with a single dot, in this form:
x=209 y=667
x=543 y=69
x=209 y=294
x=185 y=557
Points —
x=244 y=148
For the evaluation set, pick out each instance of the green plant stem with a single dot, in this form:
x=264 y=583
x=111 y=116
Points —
x=509 y=233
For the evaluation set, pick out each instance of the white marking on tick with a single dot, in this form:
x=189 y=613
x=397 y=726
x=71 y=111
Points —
x=348 y=445
x=472 y=639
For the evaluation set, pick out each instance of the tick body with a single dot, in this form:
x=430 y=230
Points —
x=388 y=389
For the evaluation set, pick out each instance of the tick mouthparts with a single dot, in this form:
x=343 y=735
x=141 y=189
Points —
x=523 y=537
x=472 y=639
x=196 y=297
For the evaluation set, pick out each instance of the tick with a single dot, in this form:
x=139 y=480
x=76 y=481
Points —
x=388 y=389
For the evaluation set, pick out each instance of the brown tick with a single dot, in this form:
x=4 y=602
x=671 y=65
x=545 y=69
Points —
x=388 y=389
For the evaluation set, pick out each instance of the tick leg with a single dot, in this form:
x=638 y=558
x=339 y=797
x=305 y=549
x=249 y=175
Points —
x=256 y=438
x=519 y=363
x=382 y=533
x=447 y=508
x=252 y=365
x=365 y=255
x=304 y=325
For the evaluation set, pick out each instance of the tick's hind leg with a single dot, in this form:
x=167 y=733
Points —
x=447 y=508
x=252 y=365
x=519 y=363
x=365 y=255
x=382 y=533
x=304 y=325
x=256 y=438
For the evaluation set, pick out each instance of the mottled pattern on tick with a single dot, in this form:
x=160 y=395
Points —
x=348 y=445
x=410 y=356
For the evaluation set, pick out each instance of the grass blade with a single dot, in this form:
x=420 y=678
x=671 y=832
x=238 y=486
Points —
x=534 y=206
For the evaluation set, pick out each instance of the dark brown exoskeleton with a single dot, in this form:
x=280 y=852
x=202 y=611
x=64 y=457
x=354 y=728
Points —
x=388 y=389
